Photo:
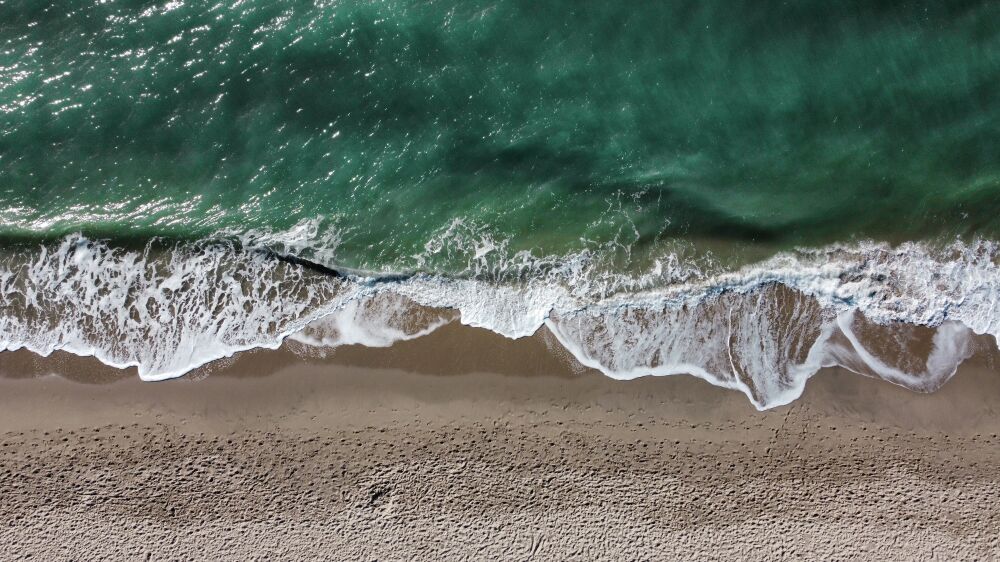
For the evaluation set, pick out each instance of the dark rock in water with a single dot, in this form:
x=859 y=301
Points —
x=310 y=265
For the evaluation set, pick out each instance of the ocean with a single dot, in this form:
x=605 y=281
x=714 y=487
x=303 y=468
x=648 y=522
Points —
x=741 y=191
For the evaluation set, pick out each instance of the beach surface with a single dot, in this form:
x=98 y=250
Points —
x=465 y=445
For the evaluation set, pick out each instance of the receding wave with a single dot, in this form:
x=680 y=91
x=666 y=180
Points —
x=906 y=313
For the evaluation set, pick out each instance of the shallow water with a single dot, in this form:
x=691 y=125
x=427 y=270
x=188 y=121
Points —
x=717 y=189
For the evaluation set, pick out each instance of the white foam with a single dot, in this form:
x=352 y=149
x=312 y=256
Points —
x=764 y=344
x=162 y=312
x=763 y=329
x=950 y=346
x=379 y=319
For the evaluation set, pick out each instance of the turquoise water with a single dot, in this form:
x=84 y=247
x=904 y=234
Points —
x=553 y=126
x=743 y=191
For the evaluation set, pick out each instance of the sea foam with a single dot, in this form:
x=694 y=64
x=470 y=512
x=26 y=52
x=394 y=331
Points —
x=906 y=314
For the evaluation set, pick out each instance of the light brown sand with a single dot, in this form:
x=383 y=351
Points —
x=320 y=460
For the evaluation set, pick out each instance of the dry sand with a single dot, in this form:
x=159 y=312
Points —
x=409 y=453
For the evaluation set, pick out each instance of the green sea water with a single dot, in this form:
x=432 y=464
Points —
x=552 y=126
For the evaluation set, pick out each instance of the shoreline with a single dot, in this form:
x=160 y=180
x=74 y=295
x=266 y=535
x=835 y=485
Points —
x=455 y=349
x=351 y=456
x=763 y=329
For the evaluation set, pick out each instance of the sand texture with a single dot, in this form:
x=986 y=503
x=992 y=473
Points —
x=352 y=463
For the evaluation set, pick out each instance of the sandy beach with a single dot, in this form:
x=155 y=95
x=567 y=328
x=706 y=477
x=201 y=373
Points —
x=499 y=280
x=420 y=451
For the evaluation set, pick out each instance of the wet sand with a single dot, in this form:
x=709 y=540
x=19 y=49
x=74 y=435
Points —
x=465 y=445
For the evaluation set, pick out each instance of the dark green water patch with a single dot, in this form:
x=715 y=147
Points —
x=554 y=125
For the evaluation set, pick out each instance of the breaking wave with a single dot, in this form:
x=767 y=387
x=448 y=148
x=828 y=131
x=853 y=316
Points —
x=906 y=313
